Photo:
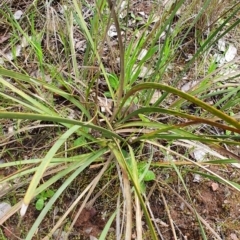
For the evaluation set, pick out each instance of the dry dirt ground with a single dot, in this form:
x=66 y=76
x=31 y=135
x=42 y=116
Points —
x=217 y=204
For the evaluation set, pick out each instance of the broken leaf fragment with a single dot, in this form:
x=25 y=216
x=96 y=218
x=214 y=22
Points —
x=23 y=209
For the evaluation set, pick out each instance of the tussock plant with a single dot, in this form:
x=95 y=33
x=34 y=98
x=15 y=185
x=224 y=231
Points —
x=97 y=96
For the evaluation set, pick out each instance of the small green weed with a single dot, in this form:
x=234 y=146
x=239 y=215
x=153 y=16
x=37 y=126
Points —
x=42 y=197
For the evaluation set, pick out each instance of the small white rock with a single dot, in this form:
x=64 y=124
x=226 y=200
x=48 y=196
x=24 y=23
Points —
x=88 y=230
x=219 y=59
x=221 y=45
x=17 y=15
x=62 y=9
x=142 y=54
x=199 y=154
x=197 y=178
x=142 y=14
x=4 y=207
x=10 y=130
x=58 y=235
x=112 y=32
x=9 y=56
x=231 y=53
x=24 y=42
x=92 y=238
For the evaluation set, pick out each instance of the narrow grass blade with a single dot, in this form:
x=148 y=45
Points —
x=107 y=226
x=186 y=96
x=197 y=120
x=115 y=148
x=66 y=183
x=81 y=22
x=37 y=82
x=30 y=116
x=42 y=167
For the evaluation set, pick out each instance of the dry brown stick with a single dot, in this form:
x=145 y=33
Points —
x=192 y=210
x=169 y=214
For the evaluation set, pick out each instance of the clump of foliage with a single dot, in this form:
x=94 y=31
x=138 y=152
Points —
x=118 y=125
